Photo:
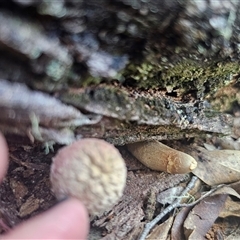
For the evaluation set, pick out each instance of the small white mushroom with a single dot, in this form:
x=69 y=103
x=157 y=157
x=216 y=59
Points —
x=160 y=157
x=91 y=170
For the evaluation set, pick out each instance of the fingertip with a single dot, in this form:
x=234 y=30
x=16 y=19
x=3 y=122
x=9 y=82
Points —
x=73 y=218
x=80 y=218
x=67 y=220
x=3 y=156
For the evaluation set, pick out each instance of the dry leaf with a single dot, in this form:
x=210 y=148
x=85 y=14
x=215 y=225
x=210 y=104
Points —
x=202 y=217
x=227 y=142
x=18 y=188
x=225 y=228
x=160 y=232
x=227 y=190
x=231 y=208
x=208 y=210
x=217 y=166
x=177 y=227
x=193 y=226
x=235 y=186
x=31 y=205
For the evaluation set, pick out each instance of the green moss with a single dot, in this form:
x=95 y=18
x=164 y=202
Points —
x=226 y=98
x=203 y=78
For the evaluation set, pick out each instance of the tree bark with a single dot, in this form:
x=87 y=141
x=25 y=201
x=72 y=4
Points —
x=134 y=70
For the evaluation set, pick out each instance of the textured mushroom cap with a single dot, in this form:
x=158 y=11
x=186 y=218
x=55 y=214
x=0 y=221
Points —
x=91 y=170
x=160 y=157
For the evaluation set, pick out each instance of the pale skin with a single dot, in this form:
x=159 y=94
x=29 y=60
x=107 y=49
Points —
x=67 y=220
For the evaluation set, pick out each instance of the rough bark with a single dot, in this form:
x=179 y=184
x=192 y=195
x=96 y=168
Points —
x=158 y=61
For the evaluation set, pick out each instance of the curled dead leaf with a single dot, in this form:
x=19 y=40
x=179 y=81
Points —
x=202 y=217
x=217 y=166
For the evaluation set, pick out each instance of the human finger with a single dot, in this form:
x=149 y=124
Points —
x=67 y=220
x=3 y=157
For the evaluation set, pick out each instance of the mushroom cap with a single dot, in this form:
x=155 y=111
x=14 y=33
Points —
x=91 y=170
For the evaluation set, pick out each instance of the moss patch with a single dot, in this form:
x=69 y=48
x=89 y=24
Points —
x=184 y=77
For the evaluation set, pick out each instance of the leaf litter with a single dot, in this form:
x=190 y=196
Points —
x=223 y=219
x=211 y=209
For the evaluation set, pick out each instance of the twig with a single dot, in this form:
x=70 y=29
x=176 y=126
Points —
x=202 y=197
x=40 y=167
x=175 y=204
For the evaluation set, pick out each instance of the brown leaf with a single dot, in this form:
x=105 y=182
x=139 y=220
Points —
x=161 y=231
x=202 y=217
x=31 y=205
x=218 y=166
x=18 y=188
x=225 y=228
x=177 y=228
x=235 y=186
x=231 y=208
x=227 y=190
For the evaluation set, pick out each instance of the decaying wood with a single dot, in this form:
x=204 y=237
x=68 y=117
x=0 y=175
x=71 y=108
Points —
x=37 y=115
x=180 y=58
x=186 y=47
x=46 y=119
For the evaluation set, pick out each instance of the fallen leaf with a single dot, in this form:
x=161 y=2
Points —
x=227 y=190
x=225 y=228
x=217 y=166
x=177 y=227
x=227 y=224
x=202 y=217
x=18 y=188
x=231 y=208
x=235 y=186
x=161 y=231
x=31 y=205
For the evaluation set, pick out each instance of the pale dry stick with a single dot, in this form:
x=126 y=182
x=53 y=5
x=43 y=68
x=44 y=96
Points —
x=28 y=164
x=174 y=205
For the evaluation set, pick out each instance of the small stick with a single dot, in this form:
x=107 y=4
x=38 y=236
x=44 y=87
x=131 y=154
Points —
x=175 y=204
x=202 y=197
